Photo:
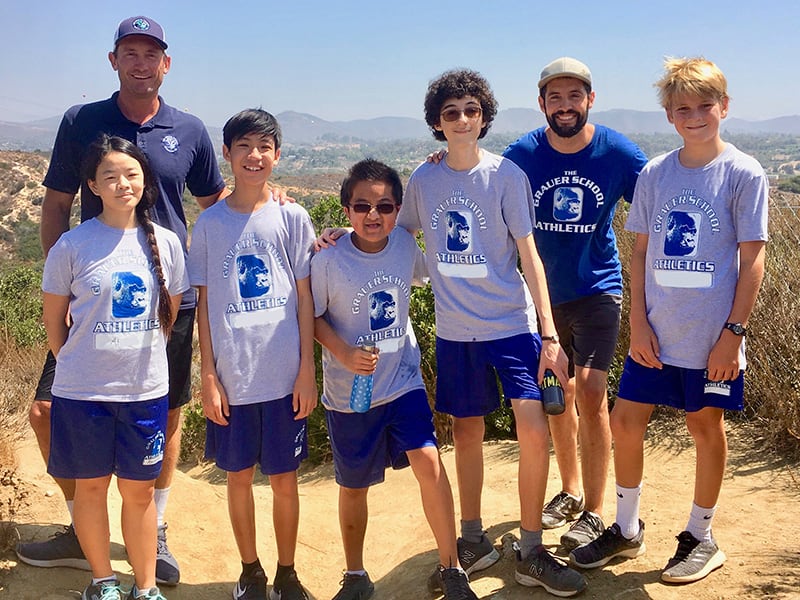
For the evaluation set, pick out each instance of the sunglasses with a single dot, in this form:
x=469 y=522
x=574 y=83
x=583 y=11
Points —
x=454 y=114
x=365 y=208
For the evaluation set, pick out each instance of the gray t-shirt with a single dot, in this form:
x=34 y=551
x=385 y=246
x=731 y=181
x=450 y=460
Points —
x=250 y=264
x=471 y=220
x=115 y=350
x=695 y=219
x=364 y=297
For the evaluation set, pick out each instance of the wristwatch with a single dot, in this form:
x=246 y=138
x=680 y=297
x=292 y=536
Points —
x=736 y=328
x=550 y=338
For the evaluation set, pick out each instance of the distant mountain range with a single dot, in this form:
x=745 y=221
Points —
x=301 y=128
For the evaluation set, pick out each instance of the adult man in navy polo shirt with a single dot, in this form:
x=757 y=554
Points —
x=578 y=171
x=180 y=153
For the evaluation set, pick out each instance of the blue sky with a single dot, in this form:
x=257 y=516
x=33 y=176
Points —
x=347 y=60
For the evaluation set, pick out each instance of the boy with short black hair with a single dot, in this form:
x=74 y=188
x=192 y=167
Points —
x=361 y=291
x=250 y=260
x=700 y=218
x=476 y=212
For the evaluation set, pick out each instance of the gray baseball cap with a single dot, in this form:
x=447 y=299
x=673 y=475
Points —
x=140 y=26
x=565 y=67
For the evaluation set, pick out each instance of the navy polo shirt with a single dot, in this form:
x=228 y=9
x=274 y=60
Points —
x=177 y=146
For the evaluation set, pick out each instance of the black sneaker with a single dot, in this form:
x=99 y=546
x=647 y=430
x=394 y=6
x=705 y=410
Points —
x=611 y=543
x=586 y=529
x=476 y=556
x=540 y=568
x=693 y=560
x=251 y=588
x=61 y=550
x=355 y=587
x=105 y=590
x=454 y=584
x=564 y=507
x=288 y=588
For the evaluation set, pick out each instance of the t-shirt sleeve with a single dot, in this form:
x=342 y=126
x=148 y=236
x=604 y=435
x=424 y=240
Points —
x=408 y=217
x=204 y=178
x=750 y=207
x=517 y=202
x=178 y=277
x=420 y=276
x=63 y=174
x=302 y=249
x=198 y=255
x=319 y=282
x=637 y=161
x=57 y=275
x=637 y=217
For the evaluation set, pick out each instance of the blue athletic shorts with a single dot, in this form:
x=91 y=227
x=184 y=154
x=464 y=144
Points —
x=365 y=444
x=685 y=389
x=264 y=434
x=467 y=373
x=92 y=439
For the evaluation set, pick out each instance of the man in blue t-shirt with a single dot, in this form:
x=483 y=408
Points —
x=578 y=171
x=180 y=154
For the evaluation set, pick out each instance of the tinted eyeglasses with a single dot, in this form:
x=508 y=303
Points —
x=383 y=208
x=454 y=114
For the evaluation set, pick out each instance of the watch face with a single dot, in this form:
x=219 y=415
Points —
x=736 y=328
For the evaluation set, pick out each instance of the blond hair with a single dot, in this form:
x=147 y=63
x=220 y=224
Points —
x=693 y=76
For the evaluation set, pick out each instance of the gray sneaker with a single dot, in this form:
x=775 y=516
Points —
x=152 y=594
x=61 y=550
x=454 y=583
x=105 y=590
x=167 y=570
x=693 y=560
x=610 y=544
x=476 y=556
x=586 y=529
x=564 y=507
x=542 y=569
x=355 y=587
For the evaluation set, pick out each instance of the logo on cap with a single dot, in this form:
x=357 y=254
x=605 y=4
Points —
x=141 y=25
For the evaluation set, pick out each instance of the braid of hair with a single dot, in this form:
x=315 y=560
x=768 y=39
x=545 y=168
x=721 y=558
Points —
x=164 y=303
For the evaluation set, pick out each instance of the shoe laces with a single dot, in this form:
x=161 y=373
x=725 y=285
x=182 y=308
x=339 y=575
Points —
x=588 y=521
x=454 y=583
x=64 y=531
x=350 y=580
x=290 y=588
x=110 y=590
x=686 y=543
x=557 y=501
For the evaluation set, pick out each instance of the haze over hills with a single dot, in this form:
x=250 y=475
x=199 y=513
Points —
x=304 y=129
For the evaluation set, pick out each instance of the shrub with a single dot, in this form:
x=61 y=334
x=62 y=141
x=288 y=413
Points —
x=21 y=305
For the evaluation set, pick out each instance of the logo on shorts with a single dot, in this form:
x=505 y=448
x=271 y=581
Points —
x=170 y=143
x=298 y=440
x=154 y=450
x=721 y=388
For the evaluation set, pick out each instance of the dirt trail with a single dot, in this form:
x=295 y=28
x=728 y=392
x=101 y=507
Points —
x=757 y=526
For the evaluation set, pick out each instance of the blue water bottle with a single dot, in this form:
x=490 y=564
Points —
x=361 y=394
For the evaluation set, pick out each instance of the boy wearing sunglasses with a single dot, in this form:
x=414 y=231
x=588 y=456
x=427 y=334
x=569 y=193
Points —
x=476 y=212
x=361 y=292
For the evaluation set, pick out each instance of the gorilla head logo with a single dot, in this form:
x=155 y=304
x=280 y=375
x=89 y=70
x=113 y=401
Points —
x=567 y=204
x=681 y=237
x=382 y=310
x=129 y=297
x=458 y=236
x=254 y=277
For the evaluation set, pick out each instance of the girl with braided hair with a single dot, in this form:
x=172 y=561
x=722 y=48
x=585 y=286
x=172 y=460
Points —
x=111 y=290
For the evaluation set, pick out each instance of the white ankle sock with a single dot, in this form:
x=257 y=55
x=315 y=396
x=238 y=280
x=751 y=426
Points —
x=700 y=522
x=628 y=510
x=160 y=497
x=71 y=509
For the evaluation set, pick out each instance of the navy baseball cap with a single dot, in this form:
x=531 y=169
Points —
x=140 y=26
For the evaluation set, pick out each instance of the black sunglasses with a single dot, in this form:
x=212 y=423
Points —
x=365 y=208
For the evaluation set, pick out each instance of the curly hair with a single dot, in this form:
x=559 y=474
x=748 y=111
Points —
x=457 y=84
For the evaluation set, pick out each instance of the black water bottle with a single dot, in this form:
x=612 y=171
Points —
x=552 y=394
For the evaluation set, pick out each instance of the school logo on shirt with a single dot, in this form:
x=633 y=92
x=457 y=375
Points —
x=568 y=204
x=170 y=143
x=382 y=309
x=129 y=297
x=254 y=277
x=154 y=449
x=682 y=230
x=458 y=231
